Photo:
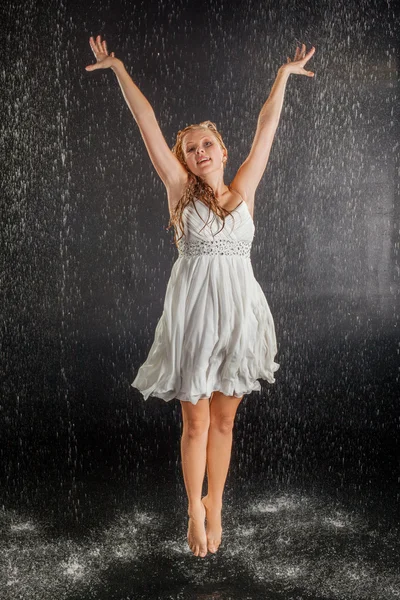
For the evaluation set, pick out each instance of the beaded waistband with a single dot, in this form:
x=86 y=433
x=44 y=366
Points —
x=225 y=247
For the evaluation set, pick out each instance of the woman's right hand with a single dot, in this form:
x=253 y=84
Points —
x=104 y=60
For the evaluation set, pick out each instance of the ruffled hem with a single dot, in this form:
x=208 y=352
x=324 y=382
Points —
x=228 y=388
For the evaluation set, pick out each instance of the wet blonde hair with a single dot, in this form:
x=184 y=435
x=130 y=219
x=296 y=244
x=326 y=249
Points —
x=196 y=186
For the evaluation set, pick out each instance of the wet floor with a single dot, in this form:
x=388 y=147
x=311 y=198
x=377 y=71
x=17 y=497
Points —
x=279 y=542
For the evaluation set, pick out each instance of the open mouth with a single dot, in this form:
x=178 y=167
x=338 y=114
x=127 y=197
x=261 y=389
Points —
x=206 y=160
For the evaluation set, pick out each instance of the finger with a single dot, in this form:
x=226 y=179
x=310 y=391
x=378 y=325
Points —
x=105 y=46
x=93 y=45
x=98 y=44
x=308 y=55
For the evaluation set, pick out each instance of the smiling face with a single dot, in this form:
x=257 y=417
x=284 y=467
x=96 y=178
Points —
x=199 y=145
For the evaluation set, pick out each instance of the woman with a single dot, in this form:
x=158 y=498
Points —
x=216 y=335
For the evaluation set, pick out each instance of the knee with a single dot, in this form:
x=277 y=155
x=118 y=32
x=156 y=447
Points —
x=195 y=428
x=222 y=424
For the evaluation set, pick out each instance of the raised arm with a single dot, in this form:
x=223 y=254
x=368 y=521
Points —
x=168 y=167
x=250 y=172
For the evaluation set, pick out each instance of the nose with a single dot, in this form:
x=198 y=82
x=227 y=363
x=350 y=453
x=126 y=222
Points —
x=199 y=153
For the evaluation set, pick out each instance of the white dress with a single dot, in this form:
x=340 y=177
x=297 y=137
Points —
x=216 y=332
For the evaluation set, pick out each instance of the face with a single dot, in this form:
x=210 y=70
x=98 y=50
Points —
x=197 y=145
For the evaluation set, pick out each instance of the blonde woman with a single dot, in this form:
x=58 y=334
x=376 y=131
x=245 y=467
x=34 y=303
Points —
x=216 y=336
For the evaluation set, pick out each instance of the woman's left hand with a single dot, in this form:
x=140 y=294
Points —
x=300 y=58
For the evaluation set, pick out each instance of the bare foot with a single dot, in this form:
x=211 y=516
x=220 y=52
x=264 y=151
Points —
x=214 y=528
x=196 y=534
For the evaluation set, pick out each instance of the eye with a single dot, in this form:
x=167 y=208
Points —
x=192 y=148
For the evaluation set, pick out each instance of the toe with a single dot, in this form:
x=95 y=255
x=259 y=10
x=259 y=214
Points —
x=213 y=545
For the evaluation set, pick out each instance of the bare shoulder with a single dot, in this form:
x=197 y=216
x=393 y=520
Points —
x=175 y=190
x=245 y=194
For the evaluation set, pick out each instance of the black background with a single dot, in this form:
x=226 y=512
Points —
x=86 y=256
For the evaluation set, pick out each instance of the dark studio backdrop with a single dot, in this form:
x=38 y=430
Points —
x=86 y=256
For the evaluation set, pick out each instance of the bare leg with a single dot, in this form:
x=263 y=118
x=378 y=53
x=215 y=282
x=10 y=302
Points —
x=196 y=421
x=222 y=415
